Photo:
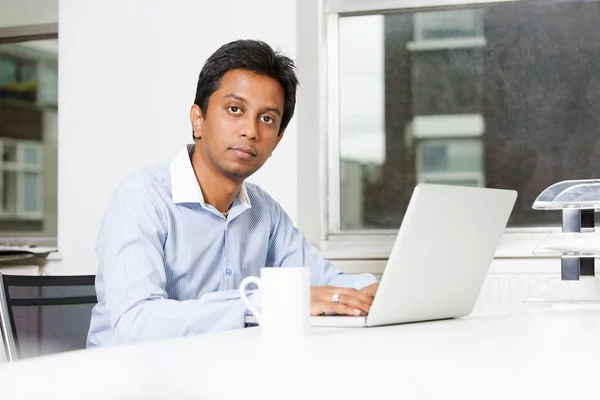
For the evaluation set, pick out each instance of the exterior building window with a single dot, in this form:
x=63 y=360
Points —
x=29 y=122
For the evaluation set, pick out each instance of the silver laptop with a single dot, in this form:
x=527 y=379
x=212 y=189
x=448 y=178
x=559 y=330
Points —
x=440 y=258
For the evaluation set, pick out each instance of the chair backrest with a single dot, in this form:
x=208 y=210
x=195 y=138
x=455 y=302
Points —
x=42 y=315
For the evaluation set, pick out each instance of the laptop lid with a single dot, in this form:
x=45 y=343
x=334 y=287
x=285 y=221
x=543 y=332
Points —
x=442 y=253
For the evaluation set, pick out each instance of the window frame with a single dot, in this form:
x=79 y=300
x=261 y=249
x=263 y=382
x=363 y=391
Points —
x=20 y=168
x=377 y=244
x=420 y=23
x=17 y=34
x=422 y=175
x=26 y=33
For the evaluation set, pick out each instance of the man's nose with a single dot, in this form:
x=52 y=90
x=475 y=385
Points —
x=249 y=129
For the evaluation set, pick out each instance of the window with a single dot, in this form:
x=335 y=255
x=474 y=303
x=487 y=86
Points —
x=448 y=24
x=449 y=149
x=448 y=162
x=499 y=94
x=28 y=122
x=21 y=179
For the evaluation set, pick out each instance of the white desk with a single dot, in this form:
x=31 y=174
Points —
x=531 y=356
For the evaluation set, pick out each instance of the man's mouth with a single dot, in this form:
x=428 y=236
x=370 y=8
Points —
x=244 y=153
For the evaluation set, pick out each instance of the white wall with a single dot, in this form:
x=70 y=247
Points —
x=128 y=72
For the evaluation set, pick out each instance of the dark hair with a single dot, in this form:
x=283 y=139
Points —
x=255 y=56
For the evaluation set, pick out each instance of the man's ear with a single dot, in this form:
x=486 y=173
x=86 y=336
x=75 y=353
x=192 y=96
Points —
x=196 y=118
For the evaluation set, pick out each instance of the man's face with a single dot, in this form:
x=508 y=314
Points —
x=241 y=125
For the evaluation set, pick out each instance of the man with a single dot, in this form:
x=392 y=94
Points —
x=177 y=239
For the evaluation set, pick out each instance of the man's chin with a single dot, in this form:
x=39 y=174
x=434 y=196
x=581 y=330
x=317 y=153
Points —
x=238 y=174
x=238 y=171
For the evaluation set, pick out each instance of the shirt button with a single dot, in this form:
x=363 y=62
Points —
x=228 y=272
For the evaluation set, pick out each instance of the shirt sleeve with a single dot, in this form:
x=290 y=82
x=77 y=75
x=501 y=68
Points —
x=132 y=278
x=289 y=248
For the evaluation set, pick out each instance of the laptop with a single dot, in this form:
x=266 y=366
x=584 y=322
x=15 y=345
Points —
x=440 y=258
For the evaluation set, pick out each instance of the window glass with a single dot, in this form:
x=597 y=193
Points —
x=28 y=137
x=503 y=95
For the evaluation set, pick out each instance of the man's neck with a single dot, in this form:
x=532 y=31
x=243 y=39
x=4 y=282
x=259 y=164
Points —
x=217 y=190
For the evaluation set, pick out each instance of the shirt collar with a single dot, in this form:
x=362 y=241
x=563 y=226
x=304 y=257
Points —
x=184 y=185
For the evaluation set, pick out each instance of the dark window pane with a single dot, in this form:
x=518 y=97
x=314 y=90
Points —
x=528 y=70
x=439 y=87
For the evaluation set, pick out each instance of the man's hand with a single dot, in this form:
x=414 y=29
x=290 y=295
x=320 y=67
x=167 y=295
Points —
x=371 y=289
x=351 y=301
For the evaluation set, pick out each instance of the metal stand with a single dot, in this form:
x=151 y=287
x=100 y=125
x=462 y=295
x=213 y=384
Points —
x=572 y=267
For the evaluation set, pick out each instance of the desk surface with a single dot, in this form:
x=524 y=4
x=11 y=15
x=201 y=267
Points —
x=541 y=355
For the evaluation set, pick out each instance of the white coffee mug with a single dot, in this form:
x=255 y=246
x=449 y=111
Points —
x=285 y=300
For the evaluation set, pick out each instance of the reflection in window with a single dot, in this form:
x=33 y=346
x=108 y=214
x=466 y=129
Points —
x=28 y=137
x=18 y=78
x=21 y=179
x=31 y=193
x=450 y=162
x=28 y=12
x=434 y=157
x=502 y=96
x=448 y=24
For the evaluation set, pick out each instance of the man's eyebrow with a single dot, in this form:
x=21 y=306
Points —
x=236 y=97
x=272 y=109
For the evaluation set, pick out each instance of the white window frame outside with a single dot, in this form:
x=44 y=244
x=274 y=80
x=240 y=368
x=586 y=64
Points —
x=476 y=176
x=377 y=244
x=450 y=129
x=421 y=19
x=20 y=167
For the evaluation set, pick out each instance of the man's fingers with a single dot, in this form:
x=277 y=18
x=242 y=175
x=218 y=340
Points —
x=342 y=309
x=350 y=297
x=350 y=301
x=362 y=296
x=336 y=308
x=355 y=302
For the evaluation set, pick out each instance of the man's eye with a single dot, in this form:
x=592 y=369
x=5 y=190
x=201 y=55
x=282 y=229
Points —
x=234 y=109
x=267 y=119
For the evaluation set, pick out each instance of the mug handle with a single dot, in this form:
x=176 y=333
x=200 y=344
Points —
x=248 y=280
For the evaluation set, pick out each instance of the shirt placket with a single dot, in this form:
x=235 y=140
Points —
x=227 y=271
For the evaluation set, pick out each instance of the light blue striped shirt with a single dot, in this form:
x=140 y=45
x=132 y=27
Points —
x=170 y=264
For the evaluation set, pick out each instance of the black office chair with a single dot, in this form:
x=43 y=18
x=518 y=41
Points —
x=42 y=315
